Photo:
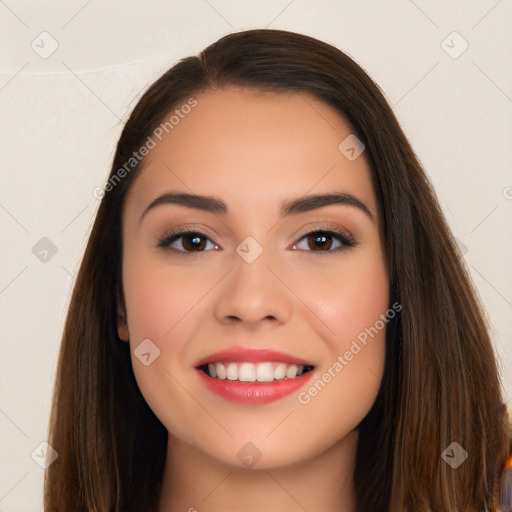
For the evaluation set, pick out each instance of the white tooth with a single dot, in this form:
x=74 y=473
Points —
x=247 y=372
x=280 y=371
x=232 y=371
x=291 y=371
x=220 y=371
x=300 y=369
x=211 y=370
x=264 y=372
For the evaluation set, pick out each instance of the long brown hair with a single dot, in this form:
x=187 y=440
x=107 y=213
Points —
x=440 y=383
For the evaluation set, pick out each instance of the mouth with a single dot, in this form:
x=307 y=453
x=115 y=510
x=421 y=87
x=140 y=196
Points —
x=267 y=371
x=253 y=376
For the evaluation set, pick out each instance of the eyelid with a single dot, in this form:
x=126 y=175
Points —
x=325 y=226
x=188 y=228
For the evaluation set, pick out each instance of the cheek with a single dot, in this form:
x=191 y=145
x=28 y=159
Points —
x=351 y=297
x=160 y=307
x=352 y=301
x=151 y=304
x=157 y=297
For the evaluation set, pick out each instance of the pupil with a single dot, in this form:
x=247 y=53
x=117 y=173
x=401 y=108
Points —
x=195 y=242
x=323 y=239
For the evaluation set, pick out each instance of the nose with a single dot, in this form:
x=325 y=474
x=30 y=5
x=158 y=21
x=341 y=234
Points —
x=253 y=292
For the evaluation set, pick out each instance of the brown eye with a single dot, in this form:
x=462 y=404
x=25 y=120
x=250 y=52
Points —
x=191 y=241
x=321 y=241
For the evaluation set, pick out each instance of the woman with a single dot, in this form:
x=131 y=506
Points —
x=271 y=312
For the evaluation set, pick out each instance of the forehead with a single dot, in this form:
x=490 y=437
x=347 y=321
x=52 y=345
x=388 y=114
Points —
x=249 y=145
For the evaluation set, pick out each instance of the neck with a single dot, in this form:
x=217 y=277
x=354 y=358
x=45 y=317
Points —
x=195 y=482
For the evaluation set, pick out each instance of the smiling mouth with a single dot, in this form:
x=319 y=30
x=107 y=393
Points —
x=248 y=372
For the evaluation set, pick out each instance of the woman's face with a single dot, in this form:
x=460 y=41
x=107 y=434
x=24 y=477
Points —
x=259 y=289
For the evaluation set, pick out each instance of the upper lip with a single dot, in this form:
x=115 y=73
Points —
x=251 y=355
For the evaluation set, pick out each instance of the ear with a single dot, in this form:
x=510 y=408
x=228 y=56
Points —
x=122 y=325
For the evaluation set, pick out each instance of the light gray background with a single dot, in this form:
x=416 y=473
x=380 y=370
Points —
x=61 y=116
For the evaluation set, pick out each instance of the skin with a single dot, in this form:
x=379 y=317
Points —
x=254 y=150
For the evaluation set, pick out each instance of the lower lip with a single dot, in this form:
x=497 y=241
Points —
x=254 y=393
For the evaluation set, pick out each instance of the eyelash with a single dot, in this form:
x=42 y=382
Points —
x=171 y=236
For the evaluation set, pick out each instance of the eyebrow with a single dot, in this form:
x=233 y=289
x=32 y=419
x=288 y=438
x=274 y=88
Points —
x=290 y=207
